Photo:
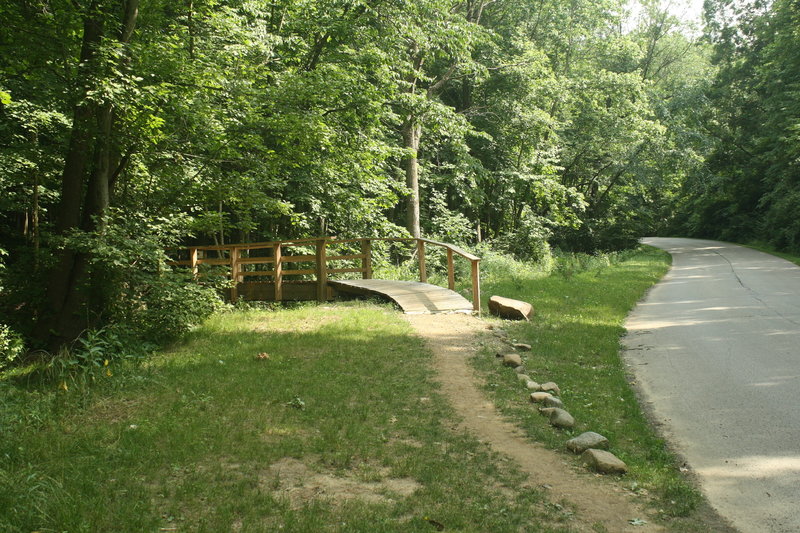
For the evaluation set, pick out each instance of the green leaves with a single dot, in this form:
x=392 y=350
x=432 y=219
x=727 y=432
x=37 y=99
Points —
x=748 y=190
x=536 y=122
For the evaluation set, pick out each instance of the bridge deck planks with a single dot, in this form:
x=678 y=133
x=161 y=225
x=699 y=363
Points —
x=413 y=297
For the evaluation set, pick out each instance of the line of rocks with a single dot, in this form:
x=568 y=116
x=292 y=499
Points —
x=591 y=446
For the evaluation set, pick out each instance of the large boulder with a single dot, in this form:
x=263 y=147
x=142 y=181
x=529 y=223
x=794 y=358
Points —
x=604 y=462
x=552 y=388
x=547 y=399
x=587 y=440
x=512 y=360
x=552 y=401
x=510 y=309
x=540 y=397
x=532 y=385
x=558 y=417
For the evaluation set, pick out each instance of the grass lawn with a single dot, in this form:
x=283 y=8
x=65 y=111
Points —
x=327 y=418
x=339 y=429
x=575 y=338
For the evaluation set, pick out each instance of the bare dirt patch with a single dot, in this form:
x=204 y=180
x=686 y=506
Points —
x=599 y=504
x=295 y=481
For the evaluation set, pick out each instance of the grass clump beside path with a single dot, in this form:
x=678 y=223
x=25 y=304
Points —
x=767 y=248
x=579 y=316
x=308 y=419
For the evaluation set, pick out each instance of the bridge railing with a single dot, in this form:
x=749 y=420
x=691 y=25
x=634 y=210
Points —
x=274 y=263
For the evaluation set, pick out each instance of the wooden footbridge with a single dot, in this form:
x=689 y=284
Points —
x=318 y=269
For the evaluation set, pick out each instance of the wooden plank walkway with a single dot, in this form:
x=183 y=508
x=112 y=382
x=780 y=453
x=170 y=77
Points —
x=413 y=297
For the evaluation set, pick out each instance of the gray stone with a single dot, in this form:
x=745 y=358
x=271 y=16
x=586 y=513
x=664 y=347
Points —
x=551 y=388
x=540 y=397
x=547 y=411
x=561 y=418
x=532 y=385
x=510 y=309
x=512 y=359
x=587 y=440
x=523 y=377
x=520 y=369
x=522 y=347
x=552 y=401
x=604 y=462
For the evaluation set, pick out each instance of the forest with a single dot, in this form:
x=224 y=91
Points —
x=519 y=126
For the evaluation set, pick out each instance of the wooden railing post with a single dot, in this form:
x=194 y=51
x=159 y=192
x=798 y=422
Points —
x=277 y=268
x=322 y=271
x=235 y=268
x=476 y=286
x=366 y=262
x=451 y=274
x=423 y=274
x=193 y=261
x=242 y=255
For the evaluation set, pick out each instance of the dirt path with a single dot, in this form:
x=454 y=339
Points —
x=453 y=340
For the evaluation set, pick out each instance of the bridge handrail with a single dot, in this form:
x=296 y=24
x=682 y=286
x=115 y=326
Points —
x=321 y=271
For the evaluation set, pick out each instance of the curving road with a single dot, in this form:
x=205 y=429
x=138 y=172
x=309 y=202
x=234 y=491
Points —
x=715 y=349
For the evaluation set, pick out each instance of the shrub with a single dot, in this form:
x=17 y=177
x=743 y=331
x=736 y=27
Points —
x=528 y=240
x=172 y=304
x=135 y=288
x=11 y=346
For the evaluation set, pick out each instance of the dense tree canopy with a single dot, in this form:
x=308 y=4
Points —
x=748 y=189
x=130 y=125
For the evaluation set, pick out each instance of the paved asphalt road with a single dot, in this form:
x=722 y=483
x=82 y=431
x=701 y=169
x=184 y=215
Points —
x=715 y=348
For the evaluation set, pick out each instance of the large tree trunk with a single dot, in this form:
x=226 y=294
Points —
x=412 y=131
x=86 y=179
